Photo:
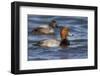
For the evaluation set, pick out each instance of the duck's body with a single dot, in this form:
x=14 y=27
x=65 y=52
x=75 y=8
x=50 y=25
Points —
x=45 y=29
x=50 y=43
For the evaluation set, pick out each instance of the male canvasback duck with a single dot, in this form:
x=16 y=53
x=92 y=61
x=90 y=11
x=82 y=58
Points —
x=64 y=32
x=45 y=29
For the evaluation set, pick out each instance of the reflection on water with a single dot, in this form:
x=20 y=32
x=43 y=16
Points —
x=78 y=42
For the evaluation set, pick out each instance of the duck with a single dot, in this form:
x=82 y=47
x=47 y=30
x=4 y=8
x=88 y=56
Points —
x=64 y=42
x=45 y=29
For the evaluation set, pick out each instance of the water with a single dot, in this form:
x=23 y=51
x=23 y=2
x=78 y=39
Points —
x=78 y=42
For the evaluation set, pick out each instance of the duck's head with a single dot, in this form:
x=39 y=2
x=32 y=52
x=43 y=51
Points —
x=64 y=32
x=53 y=24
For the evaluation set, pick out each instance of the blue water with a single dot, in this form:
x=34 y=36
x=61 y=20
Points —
x=78 y=42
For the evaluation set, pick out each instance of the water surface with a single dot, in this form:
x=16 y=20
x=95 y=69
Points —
x=78 y=42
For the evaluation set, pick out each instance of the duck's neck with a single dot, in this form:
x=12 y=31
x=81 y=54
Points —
x=64 y=43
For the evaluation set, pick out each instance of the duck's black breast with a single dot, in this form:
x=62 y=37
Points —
x=64 y=42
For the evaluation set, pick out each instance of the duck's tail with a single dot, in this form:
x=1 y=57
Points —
x=37 y=43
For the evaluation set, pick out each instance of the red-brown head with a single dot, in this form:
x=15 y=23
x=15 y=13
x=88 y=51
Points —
x=64 y=32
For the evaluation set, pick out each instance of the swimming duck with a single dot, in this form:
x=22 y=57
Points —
x=44 y=29
x=64 y=33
